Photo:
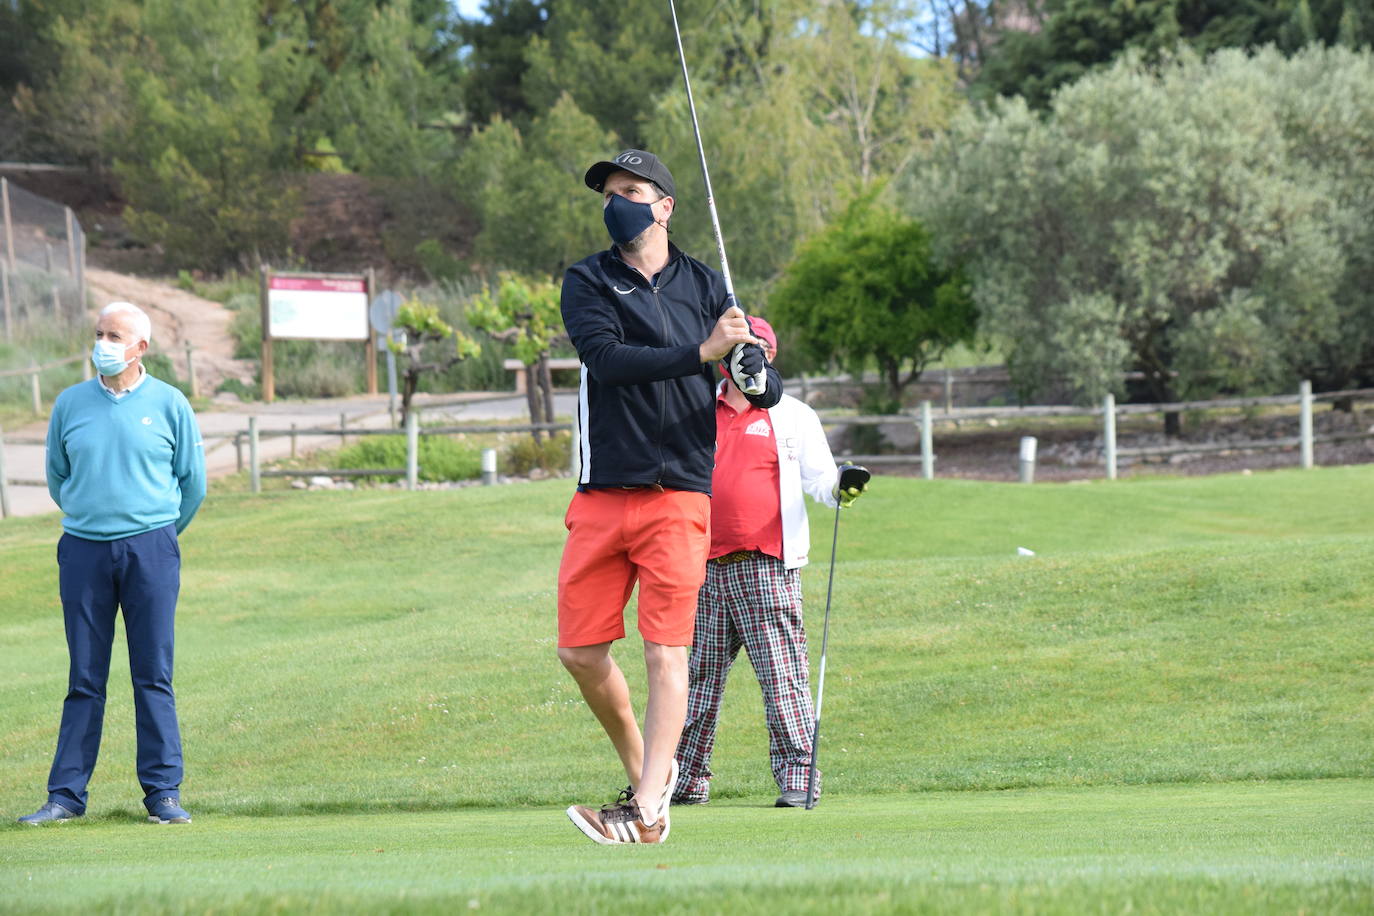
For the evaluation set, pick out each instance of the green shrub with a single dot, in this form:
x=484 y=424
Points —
x=441 y=457
x=524 y=454
x=159 y=366
x=318 y=368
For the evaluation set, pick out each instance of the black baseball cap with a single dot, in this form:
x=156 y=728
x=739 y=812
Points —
x=636 y=162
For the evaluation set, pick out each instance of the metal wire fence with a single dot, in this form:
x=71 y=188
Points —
x=42 y=262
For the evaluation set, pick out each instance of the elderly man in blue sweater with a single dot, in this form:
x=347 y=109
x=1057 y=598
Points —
x=127 y=469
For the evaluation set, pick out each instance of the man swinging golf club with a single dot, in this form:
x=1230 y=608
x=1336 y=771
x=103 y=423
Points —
x=649 y=324
x=765 y=460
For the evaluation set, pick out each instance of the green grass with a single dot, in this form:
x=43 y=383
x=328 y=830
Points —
x=1167 y=709
x=1283 y=846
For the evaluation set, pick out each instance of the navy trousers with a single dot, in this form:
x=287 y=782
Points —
x=141 y=576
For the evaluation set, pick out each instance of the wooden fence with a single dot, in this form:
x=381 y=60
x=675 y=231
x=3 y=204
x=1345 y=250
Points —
x=253 y=436
x=925 y=419
x=35 y=371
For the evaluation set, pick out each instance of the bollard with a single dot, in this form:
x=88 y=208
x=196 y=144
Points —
x=1305 y=423
x=4 y=481
x=191 y=372
x=412 y=448
x=927 y=449
x=488 y=467
x=37 y=389
x=1027 y=459
x=1109 y=434
x=254 y=469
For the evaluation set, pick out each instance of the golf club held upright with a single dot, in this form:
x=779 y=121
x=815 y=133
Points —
x=754 y=384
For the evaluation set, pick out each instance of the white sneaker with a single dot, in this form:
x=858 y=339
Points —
x=660 y=810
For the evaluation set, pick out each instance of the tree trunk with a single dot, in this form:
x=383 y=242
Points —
x=546 y=387
x=532 y=397
x=410 y=381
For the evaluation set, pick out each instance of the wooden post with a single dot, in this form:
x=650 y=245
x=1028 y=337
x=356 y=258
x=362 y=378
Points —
x=37 y=389
x=71 y=244
x=1109 y=434
x=927 y=449
x=343 y=428
x=47 y=257
x=412 y=447
x=238 y=451
x=5 y=294
x=949 y=389
x=83 y=302
x=1305 y=423
x=56 y=303
x=4 y=481
x=371 y=346
x=9 y=223
x=87 y=369
x=269 y=385
x=254 y=467
x=293 y=440
x=191 y=370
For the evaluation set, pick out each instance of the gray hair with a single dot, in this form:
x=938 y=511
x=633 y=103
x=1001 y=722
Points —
x=143 y=325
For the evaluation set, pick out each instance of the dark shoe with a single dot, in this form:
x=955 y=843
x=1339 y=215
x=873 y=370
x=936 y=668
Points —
x=50 y=813
x=691 y=799
x=791 y=798
x=168 y=811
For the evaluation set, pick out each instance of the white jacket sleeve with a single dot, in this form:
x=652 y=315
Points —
x=819 y=476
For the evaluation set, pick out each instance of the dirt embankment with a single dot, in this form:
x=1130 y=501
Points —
x=178 y=317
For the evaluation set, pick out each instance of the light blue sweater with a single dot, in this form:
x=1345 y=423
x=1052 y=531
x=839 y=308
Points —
x=122 y=466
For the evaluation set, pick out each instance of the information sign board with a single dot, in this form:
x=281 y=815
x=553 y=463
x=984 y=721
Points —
x=317 y=308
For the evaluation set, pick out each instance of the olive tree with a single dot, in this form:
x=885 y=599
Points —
x=524 y=312
x=1180 y=220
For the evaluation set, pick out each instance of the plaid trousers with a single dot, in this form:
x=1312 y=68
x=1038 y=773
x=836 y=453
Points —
x=755 y=603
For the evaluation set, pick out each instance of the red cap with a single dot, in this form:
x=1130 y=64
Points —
x=764 y=332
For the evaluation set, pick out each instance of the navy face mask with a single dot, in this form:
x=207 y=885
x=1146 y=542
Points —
x=626 y=219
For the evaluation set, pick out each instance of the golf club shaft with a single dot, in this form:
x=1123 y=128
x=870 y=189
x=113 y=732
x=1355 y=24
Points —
x=756 y=383
x=820 y=677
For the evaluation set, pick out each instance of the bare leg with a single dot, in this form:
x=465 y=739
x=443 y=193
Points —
x=603 y=687
x=664 y=716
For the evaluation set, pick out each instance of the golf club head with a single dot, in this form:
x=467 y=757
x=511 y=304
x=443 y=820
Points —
x=853 y=475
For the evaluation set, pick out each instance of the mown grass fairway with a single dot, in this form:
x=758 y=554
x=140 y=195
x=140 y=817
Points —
x=1169 y=708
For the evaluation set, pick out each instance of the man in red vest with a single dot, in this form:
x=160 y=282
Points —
x=765 y=459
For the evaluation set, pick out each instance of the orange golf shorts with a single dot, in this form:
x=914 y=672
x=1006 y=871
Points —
x=617 y=537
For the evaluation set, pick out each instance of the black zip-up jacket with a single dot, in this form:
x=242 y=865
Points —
x=646 y=407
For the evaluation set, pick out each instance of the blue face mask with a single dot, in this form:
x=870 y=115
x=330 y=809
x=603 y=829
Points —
x=626 y=219
x=108 y=357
